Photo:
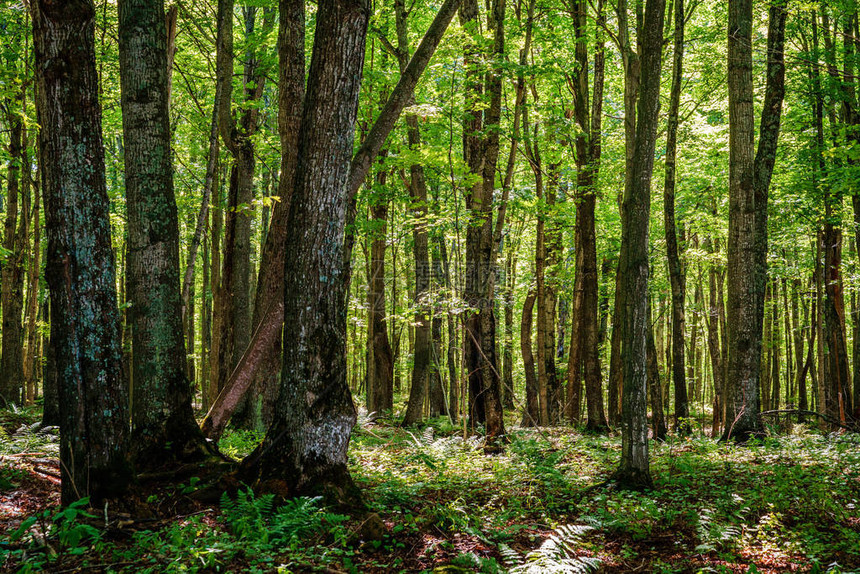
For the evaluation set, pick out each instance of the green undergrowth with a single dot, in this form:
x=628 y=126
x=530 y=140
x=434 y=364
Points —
x=546 y=504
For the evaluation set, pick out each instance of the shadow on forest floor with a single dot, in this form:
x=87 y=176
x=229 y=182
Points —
x=789 y=503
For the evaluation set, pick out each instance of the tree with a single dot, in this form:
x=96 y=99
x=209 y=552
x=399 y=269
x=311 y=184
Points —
x=481 y=154
x=676 y=272
x=749 y=181
x=14 y=239
x=269 y=300
x=634 y=470
x=304 y=451
x=93 y=399
x=161 y=409
x=588 y=150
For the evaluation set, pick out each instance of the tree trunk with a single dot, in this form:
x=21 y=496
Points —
x=749 y=181
x=162 y=417
x=422 y=369
x=80 y=263
x=11 y=300
x=634 y=469
x=380 y=391
x=481 y=154
x=676 y=272
x=658 y=420
x=305 y=449
x=775 y=350
x=33 y=358
x=531 y=412
x=588 y=151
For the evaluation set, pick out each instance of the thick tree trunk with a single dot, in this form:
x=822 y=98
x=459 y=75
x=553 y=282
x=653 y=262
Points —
x=749 y=181
x=80 y=264
x=305 y=449
x=634 y=469
x=162 y=417
x=836 y=376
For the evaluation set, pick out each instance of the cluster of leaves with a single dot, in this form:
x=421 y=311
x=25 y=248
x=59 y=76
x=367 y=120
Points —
x=49 y=537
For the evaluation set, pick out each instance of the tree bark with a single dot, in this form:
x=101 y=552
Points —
x=80 y=265
x=305 y=449
x=531 y=412
x=422 y=369
x=481 y=155
x=588 y=150
x=12 y=298
x=162 y=417
x=634 y=470
x=676 y=272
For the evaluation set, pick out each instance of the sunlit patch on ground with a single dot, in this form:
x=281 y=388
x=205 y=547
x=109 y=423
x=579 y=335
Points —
x=787 y=504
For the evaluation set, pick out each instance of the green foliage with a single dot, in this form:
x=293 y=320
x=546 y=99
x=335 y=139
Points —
x=48 y=537
x=557 y=554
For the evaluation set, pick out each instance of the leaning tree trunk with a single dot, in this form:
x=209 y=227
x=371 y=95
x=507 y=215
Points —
x=162 y=417
x=634 y=469
x=80 y=264
x=305 y=449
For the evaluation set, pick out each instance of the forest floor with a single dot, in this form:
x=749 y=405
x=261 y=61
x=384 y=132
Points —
x=789 y=503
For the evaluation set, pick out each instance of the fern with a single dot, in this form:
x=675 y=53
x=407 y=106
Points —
x=714 y=535
x=557 y=554
x=256 y=520
x=247 y=514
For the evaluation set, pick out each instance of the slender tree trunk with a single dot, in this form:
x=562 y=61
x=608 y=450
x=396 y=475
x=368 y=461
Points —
x=658 y=420
x=531 y=412
x=381 y=389
x=422 y=372
x=776 y=344
x=33 y=357
x=767 y=341
x=634 y=469
x=676 y=272
x=11 y=300
x=80 y=264
x=507 y=353
x=588 y=151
